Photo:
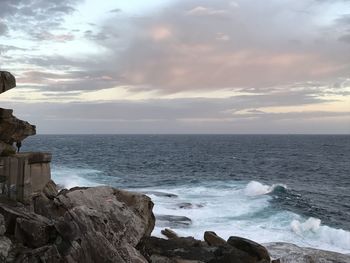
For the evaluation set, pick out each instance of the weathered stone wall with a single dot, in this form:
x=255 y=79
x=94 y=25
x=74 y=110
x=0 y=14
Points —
x=23 y=175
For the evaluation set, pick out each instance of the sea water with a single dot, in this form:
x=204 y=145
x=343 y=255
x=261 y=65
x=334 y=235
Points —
x=264 y=187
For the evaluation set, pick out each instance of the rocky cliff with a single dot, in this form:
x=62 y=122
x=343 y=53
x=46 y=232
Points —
x=11 y=129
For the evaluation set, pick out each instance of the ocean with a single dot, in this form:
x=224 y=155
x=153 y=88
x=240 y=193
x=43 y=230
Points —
x=291 y=188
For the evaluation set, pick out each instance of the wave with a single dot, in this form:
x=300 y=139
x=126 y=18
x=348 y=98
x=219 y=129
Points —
x=72 y=177
x=312 y=229
x=255 y=188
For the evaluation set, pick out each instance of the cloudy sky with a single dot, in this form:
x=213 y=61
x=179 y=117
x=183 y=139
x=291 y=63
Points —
x=178 y=66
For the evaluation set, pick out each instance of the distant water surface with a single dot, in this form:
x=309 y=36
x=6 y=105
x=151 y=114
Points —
x=265 y=187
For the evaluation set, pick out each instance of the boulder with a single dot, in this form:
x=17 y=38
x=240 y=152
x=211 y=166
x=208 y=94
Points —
x=213 y=239
x=288 y=253
x=169 y=233
x=250 y=247
x=7 y=81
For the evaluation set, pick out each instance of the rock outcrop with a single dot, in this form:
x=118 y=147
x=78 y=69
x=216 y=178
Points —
x=187 y=249
x=100 y=224
x=290 y=253
x=7 y=81
x=11 y=129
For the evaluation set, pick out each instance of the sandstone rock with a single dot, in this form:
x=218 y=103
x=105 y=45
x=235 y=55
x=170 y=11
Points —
x=213 y=239
x=7 y=81
x=50 y=190
x=13 y=129
x=288 y=253
x=169 y=233
x=250 y=247
x=6 y=149
x=104 y=223
x=89 y=225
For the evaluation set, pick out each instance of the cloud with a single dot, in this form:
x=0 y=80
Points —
x=3 y=28
x=205 y=11
x=115 y=10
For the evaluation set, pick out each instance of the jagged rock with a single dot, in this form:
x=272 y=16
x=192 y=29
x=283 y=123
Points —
x=169 y=233
x=7 y=81
x=100 y=224
x=290 y=253
x=13 y=129
x=104 y=223
x=250 y=247
x=2 y=225
x=5 y=247
x=50 y=190
x=213 y=239
x=188 y=249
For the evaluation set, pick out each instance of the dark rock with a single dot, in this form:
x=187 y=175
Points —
x=188 y=205
x=50 y=190
x=174 y=221
x=2 y=225
x=5 y=247
x=186 y=248
x=34 y=230
x=213 y=239
x=161 y=194
x=7 y=81
x=169 y=233
x=250 y=247
x=13 y=129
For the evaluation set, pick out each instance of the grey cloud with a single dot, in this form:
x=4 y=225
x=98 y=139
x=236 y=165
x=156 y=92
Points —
x=29 y=15
x=172 y=51
x=178 y=116
x=345 y=38
x=5 y=48
x=3 y=28
x=116 y=10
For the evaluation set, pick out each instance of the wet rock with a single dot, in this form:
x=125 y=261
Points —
x=160 y=194
x=7 y=81
x=250 y=247
x=185 y=248
x=213 y=239
x=174 y=221
x=287 y=253
x=169 y=233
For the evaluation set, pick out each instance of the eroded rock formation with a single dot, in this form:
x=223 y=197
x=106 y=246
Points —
x=100 y=224
x=7 y=81
x=11 y=129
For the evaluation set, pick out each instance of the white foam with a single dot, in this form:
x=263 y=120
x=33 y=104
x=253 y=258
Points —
x=229 y=209
x=72 y=177
x=255 y=188
x=311 y=230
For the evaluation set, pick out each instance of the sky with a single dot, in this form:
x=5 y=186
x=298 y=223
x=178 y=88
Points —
x=178 y=66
